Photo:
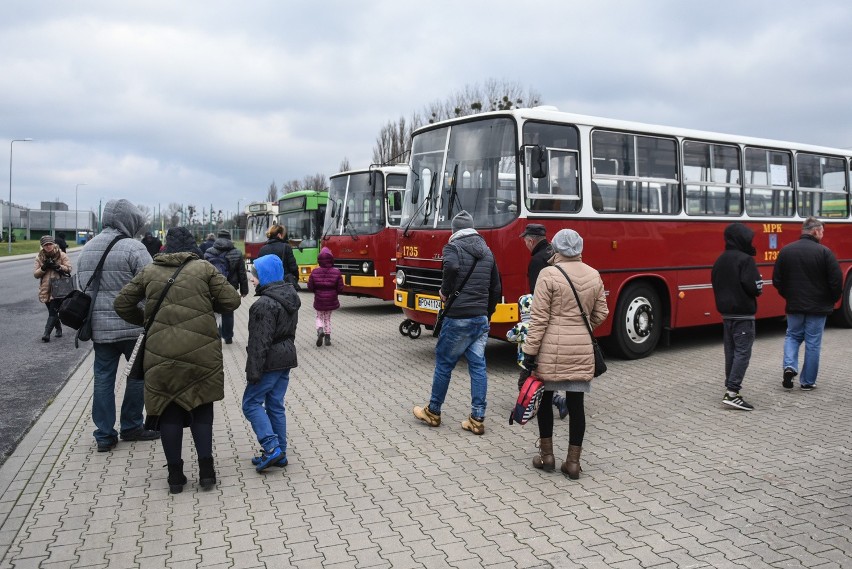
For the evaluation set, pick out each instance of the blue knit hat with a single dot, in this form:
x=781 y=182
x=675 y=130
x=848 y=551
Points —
x=269 y=269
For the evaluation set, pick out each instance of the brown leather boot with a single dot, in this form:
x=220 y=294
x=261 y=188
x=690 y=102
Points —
x=571 y=466
x=545 y=460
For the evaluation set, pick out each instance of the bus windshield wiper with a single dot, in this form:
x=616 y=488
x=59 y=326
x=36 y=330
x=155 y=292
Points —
x=429 y=201
x=347 y=225
x=454 y=196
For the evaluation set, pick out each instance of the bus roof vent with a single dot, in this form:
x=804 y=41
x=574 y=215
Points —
x=545 y=108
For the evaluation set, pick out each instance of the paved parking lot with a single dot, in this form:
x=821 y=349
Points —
x=671 y=478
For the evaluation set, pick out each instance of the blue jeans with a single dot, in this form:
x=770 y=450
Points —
x=738 y=339
x=103 y=397
x=807 y=328
x=226 y=330
x=461 y=337
x=263 y=406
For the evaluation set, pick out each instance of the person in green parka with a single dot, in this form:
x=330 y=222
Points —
x=184 y=373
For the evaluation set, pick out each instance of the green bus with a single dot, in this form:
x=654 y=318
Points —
x=302 y=214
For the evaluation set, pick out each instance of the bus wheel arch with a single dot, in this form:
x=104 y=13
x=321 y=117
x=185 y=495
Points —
x=641 y=314
x=843 y=315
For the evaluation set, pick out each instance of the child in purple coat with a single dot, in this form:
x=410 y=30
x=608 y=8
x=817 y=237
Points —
x=326 y=282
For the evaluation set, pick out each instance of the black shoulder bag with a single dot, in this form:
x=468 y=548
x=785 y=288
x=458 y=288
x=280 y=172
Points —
x=133 y=369
x=439 y=321
x=600 y=363
x=76 y=309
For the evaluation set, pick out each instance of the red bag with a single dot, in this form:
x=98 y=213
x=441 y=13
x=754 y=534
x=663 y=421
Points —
x=529 y=399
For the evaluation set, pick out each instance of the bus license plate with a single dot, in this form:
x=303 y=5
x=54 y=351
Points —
x=431 y=304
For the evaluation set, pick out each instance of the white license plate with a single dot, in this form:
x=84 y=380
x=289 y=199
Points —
x=432 y=304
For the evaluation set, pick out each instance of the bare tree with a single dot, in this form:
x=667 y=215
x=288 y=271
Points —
x=344 y=165
x=394 y=139
x=272 y=192
x=291 y=186
x=318 y=182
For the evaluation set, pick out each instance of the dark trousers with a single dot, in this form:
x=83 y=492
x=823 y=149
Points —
x=226 y=331
x=738 y=338
x=172 y=422
x=576 y=417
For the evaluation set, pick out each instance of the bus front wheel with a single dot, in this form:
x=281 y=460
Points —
x=638 y=321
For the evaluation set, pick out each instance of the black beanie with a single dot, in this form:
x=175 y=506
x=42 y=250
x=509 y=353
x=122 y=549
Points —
x=180 y=240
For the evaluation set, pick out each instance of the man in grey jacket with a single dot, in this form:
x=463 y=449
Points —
x=466 y=322
x=111 y=335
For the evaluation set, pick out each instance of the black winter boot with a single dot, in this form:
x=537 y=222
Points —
x=48 y=328
x=328 y=339
x=206 y=473
x=58 y=328
x=176 y=477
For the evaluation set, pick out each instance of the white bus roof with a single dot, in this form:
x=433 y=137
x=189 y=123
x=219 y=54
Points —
x=550 y=114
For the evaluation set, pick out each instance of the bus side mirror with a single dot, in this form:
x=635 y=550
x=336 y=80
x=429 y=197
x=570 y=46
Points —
x=538 y=159
x=415 y=191
x=333 y=209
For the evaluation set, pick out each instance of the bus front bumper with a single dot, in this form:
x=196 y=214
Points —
x=430 y=304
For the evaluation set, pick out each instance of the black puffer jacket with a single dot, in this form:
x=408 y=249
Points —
x=736 y=281
x=282 y=249
x=237 y=273
x=480 y=294
x=272 y=328
x=808 y=276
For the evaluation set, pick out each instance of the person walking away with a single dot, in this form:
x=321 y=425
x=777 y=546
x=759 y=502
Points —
x=326 y=282
x=50 y=263
x=277 y=245
x=736 y=286
x=184 y=373
x=808 y=277
x=60 y=241
x=152 y=244
x=466 y=323
x=111 y=336
x=558 y=346
x=210 y=240
x=271 y=355
x=231 y=263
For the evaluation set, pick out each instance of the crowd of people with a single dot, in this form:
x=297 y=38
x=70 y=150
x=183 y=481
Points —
x=184 y=286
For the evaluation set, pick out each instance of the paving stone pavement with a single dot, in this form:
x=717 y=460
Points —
x=671 y=477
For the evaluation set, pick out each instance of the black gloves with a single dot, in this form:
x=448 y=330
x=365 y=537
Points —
x=529 y=362
x=522 y=378
x=45 y=266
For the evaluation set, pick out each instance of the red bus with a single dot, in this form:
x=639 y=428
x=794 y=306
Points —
x=363 y=213
x=260 y=216
x=651 y=203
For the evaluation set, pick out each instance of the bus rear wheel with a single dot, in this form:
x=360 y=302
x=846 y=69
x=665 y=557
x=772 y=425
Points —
x=843 y=315
x=638 y=322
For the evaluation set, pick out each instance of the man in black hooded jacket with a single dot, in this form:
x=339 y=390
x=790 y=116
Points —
x=736 y=286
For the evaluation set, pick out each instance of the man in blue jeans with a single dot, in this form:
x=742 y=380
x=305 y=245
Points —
x=465 y=328
x=807 y=275
x=113 y=337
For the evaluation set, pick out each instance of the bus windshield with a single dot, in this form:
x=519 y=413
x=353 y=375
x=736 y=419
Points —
x=469 y=166
x=301 y=224
x=358 y=207
x=256 y=226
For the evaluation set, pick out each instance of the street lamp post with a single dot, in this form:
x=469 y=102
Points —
x=76 y=215
x=11 y=145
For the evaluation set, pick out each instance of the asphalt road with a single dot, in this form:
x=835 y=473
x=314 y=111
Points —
x=31 y=371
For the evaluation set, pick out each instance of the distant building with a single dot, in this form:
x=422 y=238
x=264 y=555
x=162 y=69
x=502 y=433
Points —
x=49 y=219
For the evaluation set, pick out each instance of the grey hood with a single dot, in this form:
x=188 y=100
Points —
x=124 y=217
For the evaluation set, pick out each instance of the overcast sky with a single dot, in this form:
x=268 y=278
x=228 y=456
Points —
x=207 y=102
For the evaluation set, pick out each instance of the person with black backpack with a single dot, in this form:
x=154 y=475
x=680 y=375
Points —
x=231 y=263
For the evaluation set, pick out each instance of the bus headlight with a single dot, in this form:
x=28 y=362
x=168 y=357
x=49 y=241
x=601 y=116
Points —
x=400 y=278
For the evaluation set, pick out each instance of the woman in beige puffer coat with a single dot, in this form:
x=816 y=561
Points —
x=558 y=346
x=50 y=263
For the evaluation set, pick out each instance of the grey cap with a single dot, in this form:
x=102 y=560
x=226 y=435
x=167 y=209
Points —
x=462 y=220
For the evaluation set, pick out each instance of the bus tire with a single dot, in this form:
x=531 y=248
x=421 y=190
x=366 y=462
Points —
x=638 y=321
x=404 y=327
x=843 y=315
x=414 y=331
